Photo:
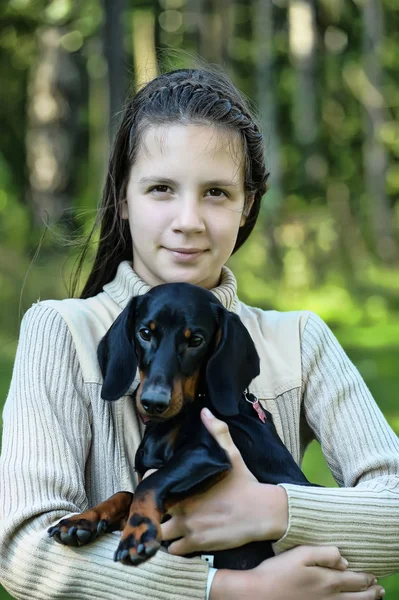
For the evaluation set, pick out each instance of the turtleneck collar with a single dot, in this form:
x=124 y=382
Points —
x=127 y=284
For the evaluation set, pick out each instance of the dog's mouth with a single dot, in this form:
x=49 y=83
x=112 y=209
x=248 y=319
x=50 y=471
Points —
x=183 y=393
x=147 y=418
x=144 y=418
x=159 y=404
x=176 y=408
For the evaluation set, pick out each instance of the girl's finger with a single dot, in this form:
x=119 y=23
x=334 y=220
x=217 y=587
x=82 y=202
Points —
x=356 y=582
x=220 y=431
x=181 y=547
x=172 y=529
x=374 y=592
x=149 y=472
x=325 y=556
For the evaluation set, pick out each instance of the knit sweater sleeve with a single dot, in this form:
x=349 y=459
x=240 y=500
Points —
x=361 y=517
x=46 y=443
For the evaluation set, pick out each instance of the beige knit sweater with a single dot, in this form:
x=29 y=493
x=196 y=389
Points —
x=65 y=449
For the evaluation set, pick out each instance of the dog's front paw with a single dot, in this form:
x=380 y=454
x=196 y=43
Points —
x=141 y=538
x=77 y=531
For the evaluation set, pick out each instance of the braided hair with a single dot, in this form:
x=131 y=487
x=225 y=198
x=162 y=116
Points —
x=185 y=96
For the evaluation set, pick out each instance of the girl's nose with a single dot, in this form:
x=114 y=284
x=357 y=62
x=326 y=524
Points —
x=189 y=218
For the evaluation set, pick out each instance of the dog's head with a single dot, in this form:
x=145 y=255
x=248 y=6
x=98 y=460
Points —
x=177 y=335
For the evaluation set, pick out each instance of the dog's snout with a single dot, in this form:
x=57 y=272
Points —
x=155 y=402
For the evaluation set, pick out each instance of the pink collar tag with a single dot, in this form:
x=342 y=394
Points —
x=252 y=399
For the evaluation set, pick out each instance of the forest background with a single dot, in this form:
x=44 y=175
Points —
x=324 y=75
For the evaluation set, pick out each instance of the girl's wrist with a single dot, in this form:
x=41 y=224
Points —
x=281 y=517
x=272 y=523
x=230 y=585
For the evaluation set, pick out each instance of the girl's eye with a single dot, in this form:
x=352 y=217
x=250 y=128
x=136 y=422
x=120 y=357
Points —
x=195 y=341
x=216 y=193
x=145 y=334
x=162 y=189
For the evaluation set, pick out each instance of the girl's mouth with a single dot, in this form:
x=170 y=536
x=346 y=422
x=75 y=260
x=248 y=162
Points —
x=186 y=254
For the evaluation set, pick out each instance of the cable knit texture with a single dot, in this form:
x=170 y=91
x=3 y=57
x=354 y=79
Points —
x=65 y=449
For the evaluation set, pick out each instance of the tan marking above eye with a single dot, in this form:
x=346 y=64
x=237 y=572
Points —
x=152 y=326
x=187 y=334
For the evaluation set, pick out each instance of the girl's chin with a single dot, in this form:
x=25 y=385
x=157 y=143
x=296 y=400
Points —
x=202 y=277
x=176 y=276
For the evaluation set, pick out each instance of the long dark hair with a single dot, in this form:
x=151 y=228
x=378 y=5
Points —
x=187 y=96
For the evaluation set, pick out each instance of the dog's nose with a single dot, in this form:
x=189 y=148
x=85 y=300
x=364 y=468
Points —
x=155 y=402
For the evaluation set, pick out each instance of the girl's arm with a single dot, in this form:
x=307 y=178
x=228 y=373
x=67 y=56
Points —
x=362 y=516
x=302 y=573
x=46 y=445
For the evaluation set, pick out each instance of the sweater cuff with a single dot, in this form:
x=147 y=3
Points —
x=353 y=519
x=316 y=516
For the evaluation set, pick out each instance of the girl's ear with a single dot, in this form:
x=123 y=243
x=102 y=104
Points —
x=247 y=209
x=234 y=364
x=117 y=355
x=124 y=209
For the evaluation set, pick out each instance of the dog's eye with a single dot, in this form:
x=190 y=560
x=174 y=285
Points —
x=145 y=334
x=195 y=341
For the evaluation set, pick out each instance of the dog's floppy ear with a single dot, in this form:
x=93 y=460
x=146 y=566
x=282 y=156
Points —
x=233 y=365
x=117 y=355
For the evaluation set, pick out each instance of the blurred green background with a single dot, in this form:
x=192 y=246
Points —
x=325 y=78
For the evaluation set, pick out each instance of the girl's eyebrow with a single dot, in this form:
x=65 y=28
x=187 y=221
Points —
x=166 y=180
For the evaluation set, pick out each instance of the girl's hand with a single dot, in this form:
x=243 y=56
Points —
x=303 y=573
x=234 y=511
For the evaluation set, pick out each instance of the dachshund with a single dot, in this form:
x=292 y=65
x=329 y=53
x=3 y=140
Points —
x=191 y=353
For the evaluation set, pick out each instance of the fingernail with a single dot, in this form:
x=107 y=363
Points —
x=382 y=593
x=375 y=582
x=345 y=562
x=208 y=413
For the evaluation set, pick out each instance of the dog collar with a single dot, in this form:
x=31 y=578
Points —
x=252 y=399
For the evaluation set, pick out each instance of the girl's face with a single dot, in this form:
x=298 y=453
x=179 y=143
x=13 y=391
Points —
x=184 y=201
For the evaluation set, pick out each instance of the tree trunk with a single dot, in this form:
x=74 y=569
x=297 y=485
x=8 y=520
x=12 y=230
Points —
x=98 y=126
x=349 y=242
x=144 y=53
x=216 y=28
x=375 y=159
x=114 y=56
x=302 y=38
x=54 y=96
x=193 y=16
x=263 y=27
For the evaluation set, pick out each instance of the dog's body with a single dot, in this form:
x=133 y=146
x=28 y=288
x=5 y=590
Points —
x=191 y=353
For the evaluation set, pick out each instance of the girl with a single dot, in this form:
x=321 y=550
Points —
x=183 y=191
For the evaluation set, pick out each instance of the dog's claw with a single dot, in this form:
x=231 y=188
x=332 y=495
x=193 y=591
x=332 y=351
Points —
x=52 y=531
x=151 y=550
x=66 y=538
x=83 y=535
x=135 y=559
x=77 y=534
x=102 y=526
x=121 y=555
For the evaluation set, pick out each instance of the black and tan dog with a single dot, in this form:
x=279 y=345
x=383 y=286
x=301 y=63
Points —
x=191 y=352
